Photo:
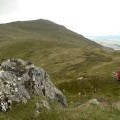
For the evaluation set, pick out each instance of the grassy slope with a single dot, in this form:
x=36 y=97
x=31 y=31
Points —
x=66 y=56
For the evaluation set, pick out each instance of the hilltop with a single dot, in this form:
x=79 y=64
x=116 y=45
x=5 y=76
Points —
x=79 y=67
x=44 y=30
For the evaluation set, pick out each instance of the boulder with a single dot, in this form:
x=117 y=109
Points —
x=20 y=79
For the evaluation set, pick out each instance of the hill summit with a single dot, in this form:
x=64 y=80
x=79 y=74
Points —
x=43 y=30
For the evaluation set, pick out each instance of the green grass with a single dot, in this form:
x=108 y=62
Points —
x=81 y=112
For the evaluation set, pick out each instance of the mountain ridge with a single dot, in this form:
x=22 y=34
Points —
x=43 y=27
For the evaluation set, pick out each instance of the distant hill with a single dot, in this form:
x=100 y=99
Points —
x=111 y=41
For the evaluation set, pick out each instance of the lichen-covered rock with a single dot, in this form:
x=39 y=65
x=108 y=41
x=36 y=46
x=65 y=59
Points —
x=20 y=79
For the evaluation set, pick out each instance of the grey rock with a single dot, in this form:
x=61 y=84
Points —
x=20 y=79
x=43 y=104
x=94 y=102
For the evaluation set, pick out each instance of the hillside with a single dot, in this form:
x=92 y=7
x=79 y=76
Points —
x=66 y=56
x=43 y=30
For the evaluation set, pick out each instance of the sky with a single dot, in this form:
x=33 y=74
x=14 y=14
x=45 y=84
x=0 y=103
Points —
x=86 y=17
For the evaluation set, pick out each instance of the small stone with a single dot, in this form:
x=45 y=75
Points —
x=80 y=78
x=93 y=102
x=79 y=93
x=43 y=104
x=3 y=107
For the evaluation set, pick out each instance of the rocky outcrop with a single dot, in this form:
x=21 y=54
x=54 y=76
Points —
x=20 y=79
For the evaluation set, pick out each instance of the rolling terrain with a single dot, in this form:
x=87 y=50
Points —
x=78 y=66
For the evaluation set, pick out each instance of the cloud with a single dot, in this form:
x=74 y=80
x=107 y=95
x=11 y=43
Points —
x=87 y=17
x=8 y=6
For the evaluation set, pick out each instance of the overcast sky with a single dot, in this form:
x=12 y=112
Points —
x=87 y=17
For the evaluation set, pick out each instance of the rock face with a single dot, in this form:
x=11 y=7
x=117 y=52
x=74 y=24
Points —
x=20 y=79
